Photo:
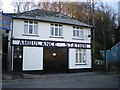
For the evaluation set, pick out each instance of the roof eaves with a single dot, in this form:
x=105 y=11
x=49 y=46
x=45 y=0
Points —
x=55 y=20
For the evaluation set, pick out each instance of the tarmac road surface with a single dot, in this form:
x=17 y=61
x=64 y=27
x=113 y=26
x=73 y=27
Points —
x=77 y=80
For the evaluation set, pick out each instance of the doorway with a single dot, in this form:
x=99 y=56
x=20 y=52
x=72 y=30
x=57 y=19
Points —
x=17 y=59
x=55 y=60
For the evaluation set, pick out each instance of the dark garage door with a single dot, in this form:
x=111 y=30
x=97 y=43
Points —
x=55 y=60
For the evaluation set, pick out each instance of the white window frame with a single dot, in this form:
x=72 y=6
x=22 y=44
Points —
x=27 y=25
x=80 y=56
x=56 y=30
x=78 y=32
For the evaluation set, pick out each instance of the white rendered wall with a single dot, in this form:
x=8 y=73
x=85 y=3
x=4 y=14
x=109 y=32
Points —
x=44 y=32
x=32 y=58
x=72 y=60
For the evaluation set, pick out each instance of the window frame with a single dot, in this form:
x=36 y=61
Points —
x=27 y=25
x=80 y=54
x=77 y=33
x=56 y=30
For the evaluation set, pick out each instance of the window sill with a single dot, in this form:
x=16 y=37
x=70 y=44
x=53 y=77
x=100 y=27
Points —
x=36 y=35
x=77 y=38
x=56 y=37
x=80 y=64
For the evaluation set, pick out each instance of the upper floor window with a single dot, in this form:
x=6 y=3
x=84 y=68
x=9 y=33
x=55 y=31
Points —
x=80 y=56
x=30 y=27
x=56 y=30
x=78 y=32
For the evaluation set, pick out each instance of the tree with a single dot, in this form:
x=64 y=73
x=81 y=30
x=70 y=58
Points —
x=17 y=4
x=23 y=5
x=28 y=5
x=98 y=14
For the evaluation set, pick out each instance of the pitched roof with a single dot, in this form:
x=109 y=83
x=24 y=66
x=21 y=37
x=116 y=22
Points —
x=48 y=16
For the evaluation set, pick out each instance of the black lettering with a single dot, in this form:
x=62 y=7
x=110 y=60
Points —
x=55 y=44
x=66 y=44
x=48 y=44
x=70 y=44
x=43 y=43
x=30 y=42
x=35 y=43
x=80 y=46
x=20 y=43
x=77 y=45
x=85 y=45
x=25 y=42
x=73 y=45
x=52 y=44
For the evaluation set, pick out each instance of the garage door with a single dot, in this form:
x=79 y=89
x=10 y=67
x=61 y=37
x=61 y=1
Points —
x=55 y=60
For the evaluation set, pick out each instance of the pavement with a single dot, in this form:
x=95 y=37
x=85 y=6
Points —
x=6 y=76
x=63 y=80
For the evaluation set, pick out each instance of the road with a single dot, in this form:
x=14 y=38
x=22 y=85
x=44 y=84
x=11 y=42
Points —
x=65 y=81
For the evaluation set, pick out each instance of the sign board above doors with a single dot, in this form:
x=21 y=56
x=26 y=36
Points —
x=48 y=43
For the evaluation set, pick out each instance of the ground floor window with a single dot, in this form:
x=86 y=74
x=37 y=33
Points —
x=80 y=56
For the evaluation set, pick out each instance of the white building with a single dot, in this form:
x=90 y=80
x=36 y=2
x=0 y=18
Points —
x=49 y=42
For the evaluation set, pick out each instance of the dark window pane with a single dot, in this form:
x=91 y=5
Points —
x=60 y=25
x=56 y=31
x=26 y=29
x=74 y=33
x=76 y=57
x=77 y=33
x=35 y=22
x=80 y=57
x=30 y=29
x=60 y=31
x=31 y=22
x=52 y=24
x=52 y=31
x=25 y=21
x=56 y=24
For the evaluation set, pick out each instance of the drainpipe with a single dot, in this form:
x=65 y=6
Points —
x=11 y=49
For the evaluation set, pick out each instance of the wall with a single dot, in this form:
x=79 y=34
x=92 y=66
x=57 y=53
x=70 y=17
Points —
x=44 y=32
x=33 y=56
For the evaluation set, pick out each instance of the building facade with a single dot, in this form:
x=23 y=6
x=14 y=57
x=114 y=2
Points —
x=49 y=42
